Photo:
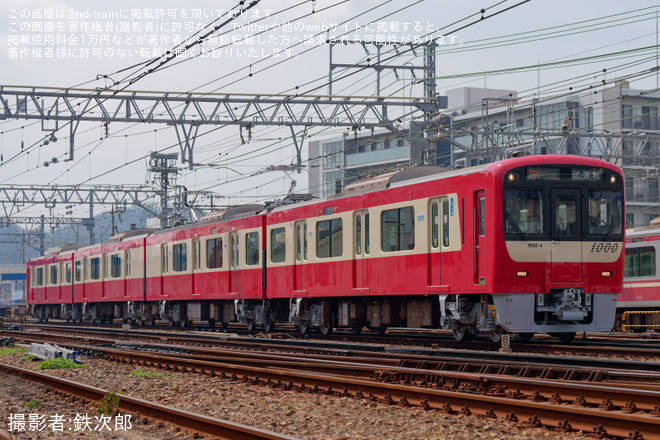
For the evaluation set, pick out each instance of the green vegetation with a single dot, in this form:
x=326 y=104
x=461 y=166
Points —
x=33 y=403
x=150 y=374
x=29 y=357
x=107 y=405
x=54 y=364
x=12 y=350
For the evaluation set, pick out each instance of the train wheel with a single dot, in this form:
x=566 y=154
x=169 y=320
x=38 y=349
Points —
x=269 y=325
x=211 y=323
x=496 y=335
x=151 y=322
x=525 y=337
x=564 y=338
x=460 y=334
x=224 y=324
x=185 y=323
x=250 y=326
x=171 y=323
x=304 y=327
x=326 y=329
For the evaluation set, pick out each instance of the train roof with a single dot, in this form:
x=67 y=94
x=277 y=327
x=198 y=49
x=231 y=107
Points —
x=131 y=233
x=50 y=252
x=231 y=213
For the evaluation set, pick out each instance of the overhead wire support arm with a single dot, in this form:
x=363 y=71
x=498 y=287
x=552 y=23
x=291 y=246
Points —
x=79 y=105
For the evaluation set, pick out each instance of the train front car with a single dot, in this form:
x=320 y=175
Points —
x=561 y=223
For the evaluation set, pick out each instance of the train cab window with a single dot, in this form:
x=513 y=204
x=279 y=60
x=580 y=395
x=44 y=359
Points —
x=605 y=213
x=78 y=270
x=115 y=266
x=640 y=262
x=95 y=269
x=523 y=213
x=53 y=274
x=214 y=253
x=40 y=276
x=277 y=245
x=252 y=248
x=398 y=229
x=67 y=273
x=329 y=238
x=180 y=257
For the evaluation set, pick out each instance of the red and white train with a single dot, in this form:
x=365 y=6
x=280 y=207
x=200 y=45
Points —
x=638 y=307
x=526 y=245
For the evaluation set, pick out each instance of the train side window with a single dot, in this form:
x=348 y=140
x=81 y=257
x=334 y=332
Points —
x=95 y=268
x=67 y=273
x=482 y=216
x=196 y=254
x=128 y=263
x=214 y=253
x=78 y=269
x=445 y=224
x=366 y=234
x=164 y=258
x=398 y=229
x=233 y=246
x=40 y=276
x=358 y=235
x=115 y=266
x=252 y=248
x=277 y=245
x=329 y=238
x=53 y=274
x=435 y=225
x=180 y=257
x=640 y=262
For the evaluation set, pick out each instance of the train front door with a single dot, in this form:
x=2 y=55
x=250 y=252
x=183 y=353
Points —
x=301 y=255
x=361 y=250
x=566 y=247
x=480 y=237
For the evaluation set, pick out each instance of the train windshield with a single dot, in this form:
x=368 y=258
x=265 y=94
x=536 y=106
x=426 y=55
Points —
x=563 y=203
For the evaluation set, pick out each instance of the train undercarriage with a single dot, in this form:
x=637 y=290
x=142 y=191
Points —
x=561 y=313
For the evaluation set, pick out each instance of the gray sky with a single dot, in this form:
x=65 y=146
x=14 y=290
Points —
x=47 y=43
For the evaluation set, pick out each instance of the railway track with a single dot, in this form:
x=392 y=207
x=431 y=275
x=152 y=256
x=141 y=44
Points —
x=191 y=421
x=617 y=403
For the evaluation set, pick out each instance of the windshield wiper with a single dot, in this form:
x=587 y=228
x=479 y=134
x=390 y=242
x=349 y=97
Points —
x=609 y=231
x=516 y=228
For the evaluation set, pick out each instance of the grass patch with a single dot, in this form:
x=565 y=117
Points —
x=150 y=374
x=33 y=403
x=29 y=357
x=12 y=350
x=54 y=364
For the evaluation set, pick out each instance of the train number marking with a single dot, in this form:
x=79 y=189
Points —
x=535 y=245
x=604 y=247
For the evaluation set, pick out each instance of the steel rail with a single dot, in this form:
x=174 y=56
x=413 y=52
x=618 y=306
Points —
x=195 y=422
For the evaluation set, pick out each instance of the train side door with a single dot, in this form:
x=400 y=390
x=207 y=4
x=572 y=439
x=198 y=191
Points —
x=480 y=237
x=301 y=255
x=361 y=248
x=566 y=247
x=234 y=280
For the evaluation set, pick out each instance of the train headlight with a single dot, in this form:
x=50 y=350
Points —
x=513 y=177
x=606 y=273
x=613 y=178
